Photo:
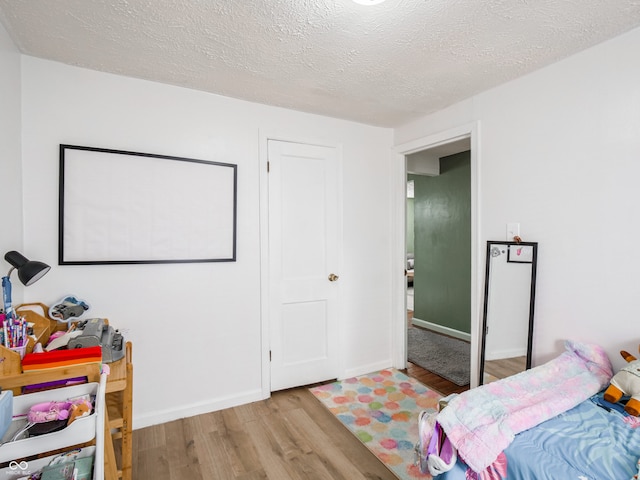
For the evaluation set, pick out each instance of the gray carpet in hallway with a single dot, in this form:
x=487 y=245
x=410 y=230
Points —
x=442 y=355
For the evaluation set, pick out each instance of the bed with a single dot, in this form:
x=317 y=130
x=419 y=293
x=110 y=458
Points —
x=592 y=441
x=550 y=422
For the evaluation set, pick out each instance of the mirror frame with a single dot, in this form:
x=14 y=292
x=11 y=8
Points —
x=532 y=298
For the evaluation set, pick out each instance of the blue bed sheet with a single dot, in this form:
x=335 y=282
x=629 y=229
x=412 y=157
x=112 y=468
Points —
x=595 y=440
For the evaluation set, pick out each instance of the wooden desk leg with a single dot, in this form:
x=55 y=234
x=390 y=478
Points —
x=110 y=467
x=127 y=413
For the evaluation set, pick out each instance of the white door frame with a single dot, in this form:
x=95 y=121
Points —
x=263 y=156
x=398 y=222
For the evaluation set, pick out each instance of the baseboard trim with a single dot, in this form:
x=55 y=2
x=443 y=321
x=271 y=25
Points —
x=440 y=329
x=168 y=415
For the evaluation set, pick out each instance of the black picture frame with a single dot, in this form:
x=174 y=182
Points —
x=124 y=207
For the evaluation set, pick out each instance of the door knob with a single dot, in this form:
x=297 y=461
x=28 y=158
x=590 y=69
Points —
x=333 y=277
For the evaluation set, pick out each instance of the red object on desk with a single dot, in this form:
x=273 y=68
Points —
x=61 y=358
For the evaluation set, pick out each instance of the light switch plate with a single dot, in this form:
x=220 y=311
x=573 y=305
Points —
x=513 y=230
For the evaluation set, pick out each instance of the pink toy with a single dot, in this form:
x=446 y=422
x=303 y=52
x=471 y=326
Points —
x=48 y=412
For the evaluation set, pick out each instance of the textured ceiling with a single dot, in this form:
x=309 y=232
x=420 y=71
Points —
x=381 y=65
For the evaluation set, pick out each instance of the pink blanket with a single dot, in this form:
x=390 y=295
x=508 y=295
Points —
x=483 y=421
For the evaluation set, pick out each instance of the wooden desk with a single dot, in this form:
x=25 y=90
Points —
x=119 y=406
x=119 y=396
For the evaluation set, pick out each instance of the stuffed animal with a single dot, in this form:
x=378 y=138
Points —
x=626 y=382
x=79 y=409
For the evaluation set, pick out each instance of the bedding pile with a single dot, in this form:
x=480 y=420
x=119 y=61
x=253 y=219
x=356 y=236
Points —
x=482 y=422
x=596 y=440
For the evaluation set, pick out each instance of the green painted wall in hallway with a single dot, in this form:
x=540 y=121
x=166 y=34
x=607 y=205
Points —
x=410 y=234
x=442 y=226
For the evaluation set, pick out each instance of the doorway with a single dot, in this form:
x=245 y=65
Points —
x=439 y=332
x=440 y=145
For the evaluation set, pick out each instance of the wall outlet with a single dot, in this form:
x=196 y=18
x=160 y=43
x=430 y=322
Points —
x=513 y=230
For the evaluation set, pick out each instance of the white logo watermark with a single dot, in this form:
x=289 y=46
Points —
x=18 y=469
x=13 y=465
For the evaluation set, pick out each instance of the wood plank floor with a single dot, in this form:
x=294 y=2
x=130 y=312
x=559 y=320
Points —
x=290 y=436
x=503 y=368
x=433 y=381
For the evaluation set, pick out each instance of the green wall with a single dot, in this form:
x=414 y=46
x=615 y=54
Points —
x=442 y=225
x=410 y=234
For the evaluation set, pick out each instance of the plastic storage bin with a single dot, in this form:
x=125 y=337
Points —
x=20 y=469
x=82 y=430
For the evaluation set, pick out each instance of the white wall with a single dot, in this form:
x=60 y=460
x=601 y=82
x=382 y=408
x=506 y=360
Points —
x=218 y=363
x=10 y=166
x=559 y=152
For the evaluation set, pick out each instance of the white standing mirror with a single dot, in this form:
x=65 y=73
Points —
x=509 y=300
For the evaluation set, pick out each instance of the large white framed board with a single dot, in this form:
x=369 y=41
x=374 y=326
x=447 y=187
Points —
x=120 y=207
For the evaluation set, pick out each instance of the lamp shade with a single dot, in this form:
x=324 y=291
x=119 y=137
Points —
x=29 y=271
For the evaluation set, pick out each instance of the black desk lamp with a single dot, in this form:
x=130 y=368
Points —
x=29 y=271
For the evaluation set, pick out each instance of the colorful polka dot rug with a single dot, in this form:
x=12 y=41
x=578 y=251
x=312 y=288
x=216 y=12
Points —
x=381 y=409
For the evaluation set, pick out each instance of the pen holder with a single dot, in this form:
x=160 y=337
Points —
x=20 y=350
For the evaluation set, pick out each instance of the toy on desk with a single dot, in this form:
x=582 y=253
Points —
x=96 y=332
x=60 y=339
x=68 y=308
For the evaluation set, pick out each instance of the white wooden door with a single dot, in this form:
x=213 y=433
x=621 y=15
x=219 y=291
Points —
x=303 y=263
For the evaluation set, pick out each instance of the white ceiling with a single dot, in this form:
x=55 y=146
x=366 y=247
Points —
x=381 y=65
